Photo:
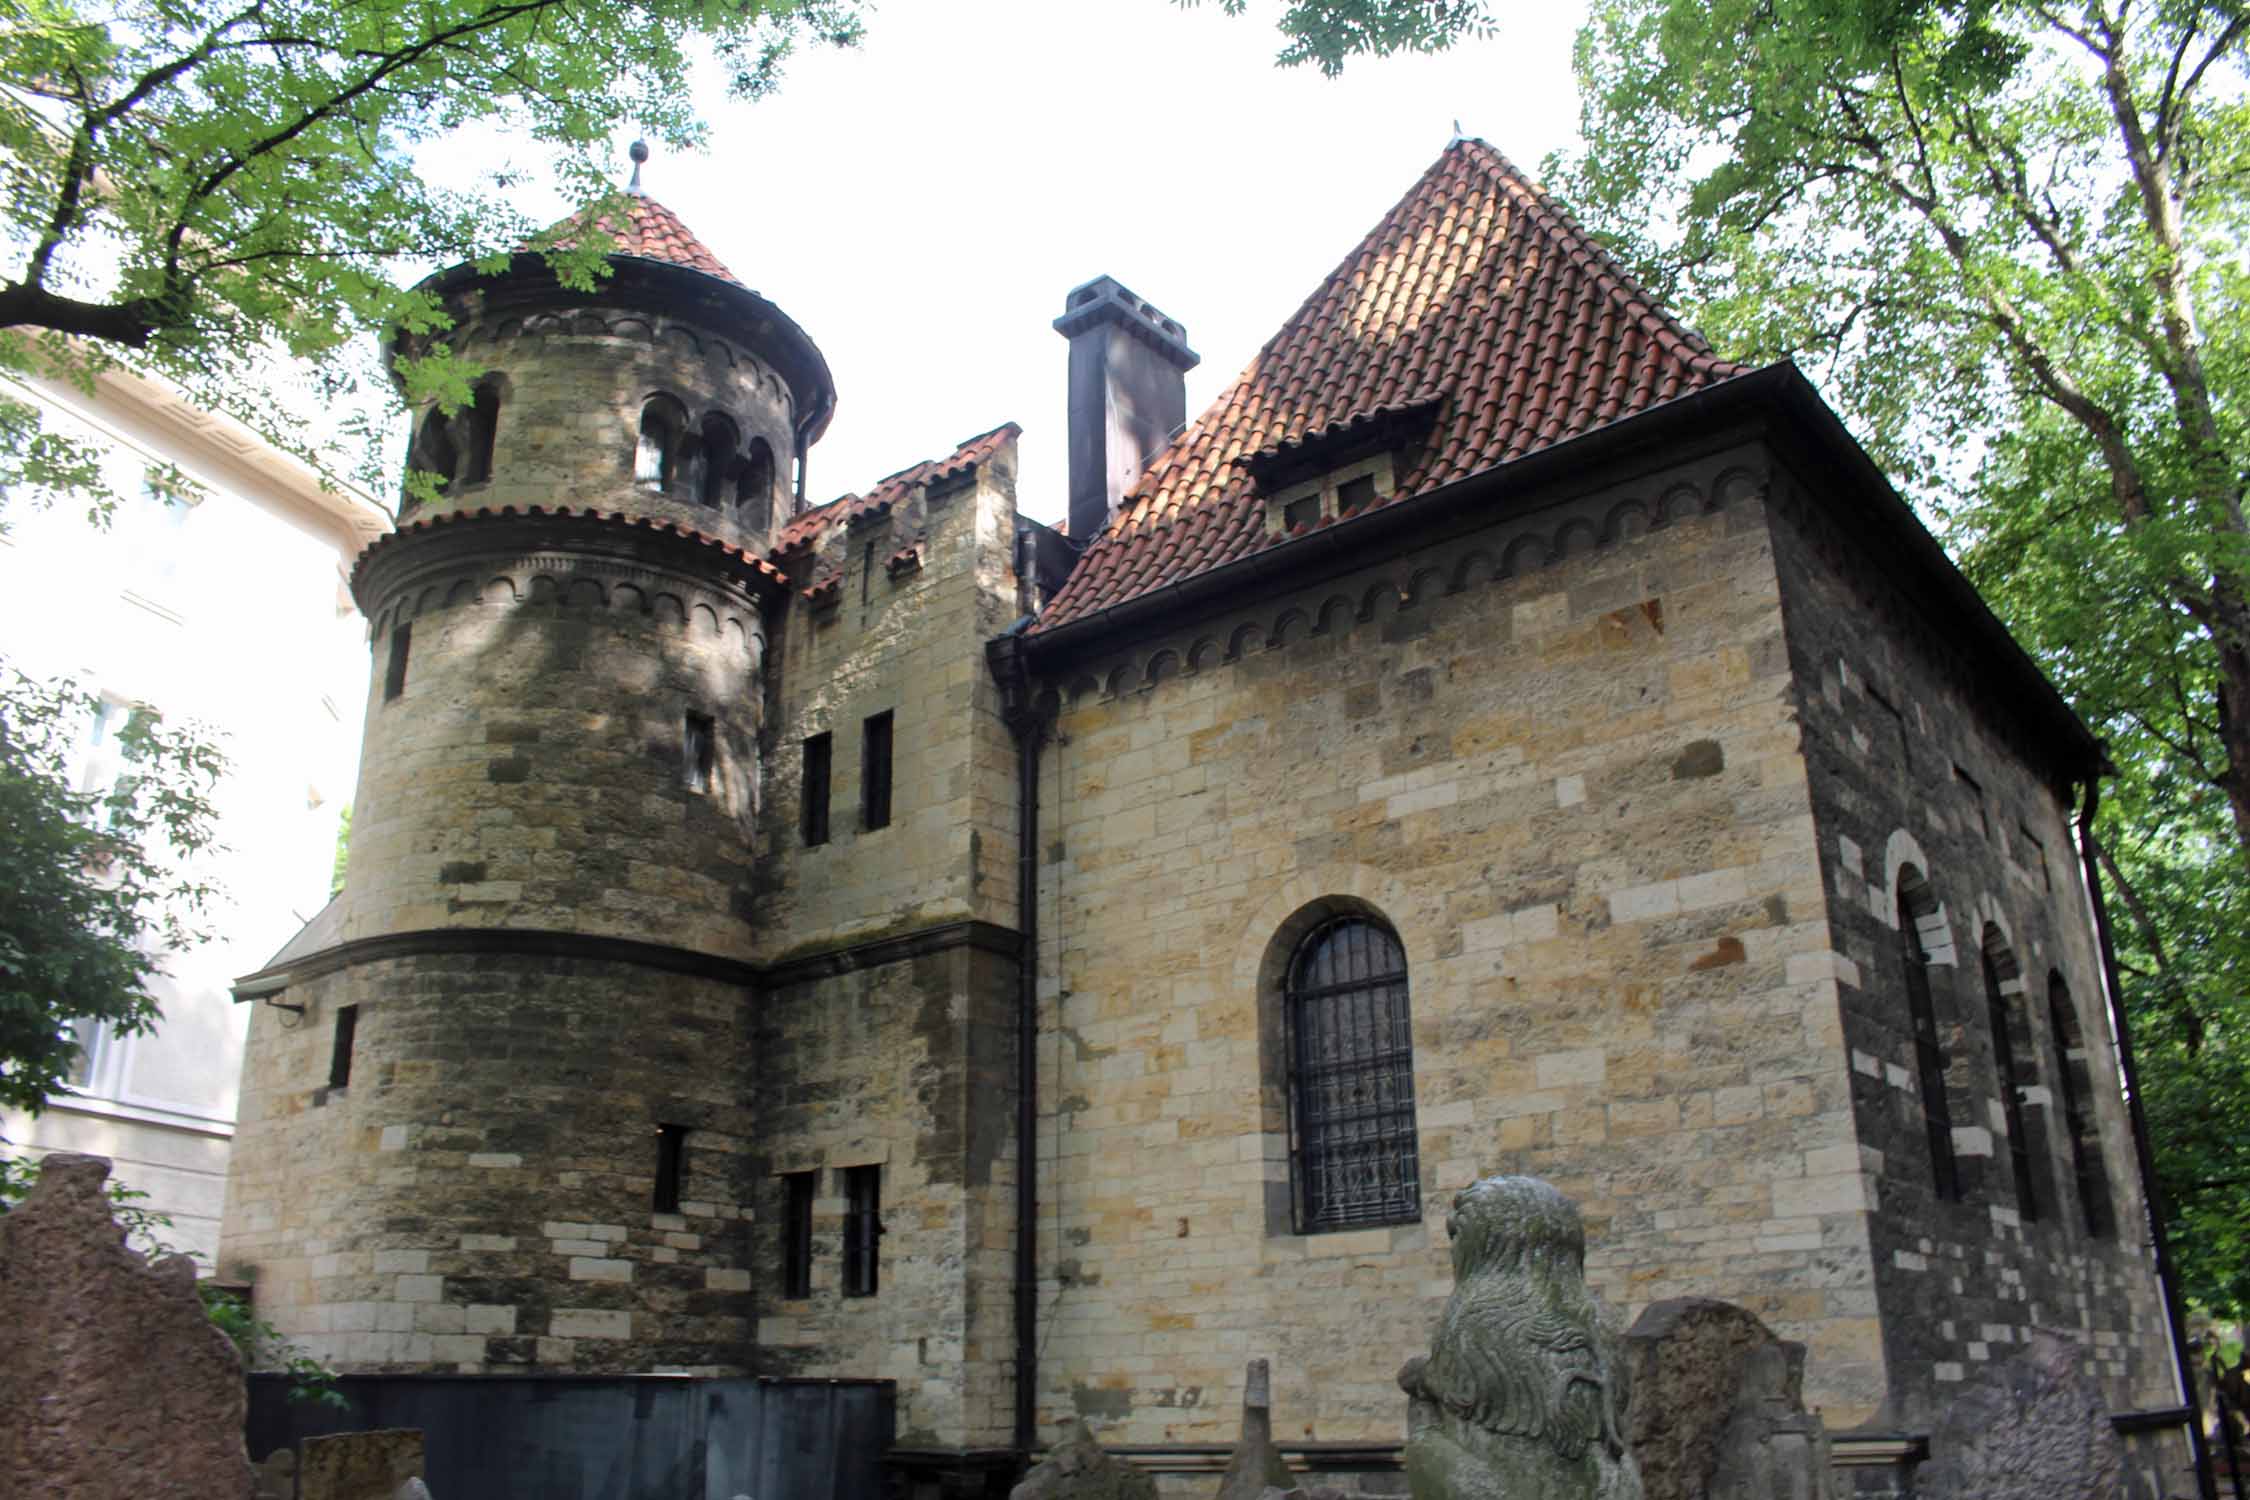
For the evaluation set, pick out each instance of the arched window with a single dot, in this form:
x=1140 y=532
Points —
x=715 y=459
x=754 y=486
x=663 y=431
x=1354 y=1157
x=1917 y=903
x=2078 y=1112
x=483 y=424
x=2012 y=1061
x=436 y=450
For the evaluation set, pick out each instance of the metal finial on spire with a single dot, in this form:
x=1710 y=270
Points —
x=1458 y=138
x=639 y=152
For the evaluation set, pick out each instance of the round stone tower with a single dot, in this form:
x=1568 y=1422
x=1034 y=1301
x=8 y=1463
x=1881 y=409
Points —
x=491 y=1114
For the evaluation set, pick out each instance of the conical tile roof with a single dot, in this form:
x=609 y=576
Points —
x=1476 y=307
x=649 y=231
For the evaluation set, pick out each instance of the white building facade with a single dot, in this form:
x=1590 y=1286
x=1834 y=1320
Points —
x=225 y=604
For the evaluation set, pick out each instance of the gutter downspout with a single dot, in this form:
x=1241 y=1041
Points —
x=1011 y=666
x=2206 y=1479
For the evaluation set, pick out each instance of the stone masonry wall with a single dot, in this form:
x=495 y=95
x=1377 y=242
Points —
x=480 y=1196
x=532 y=772
x=1910 y=767
x=576 y=374
x=910 y=641
x=908 y=1066
x=1559 y=757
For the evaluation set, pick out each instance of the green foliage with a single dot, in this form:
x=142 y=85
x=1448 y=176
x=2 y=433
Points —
x=2007 y=238
x=263 y=1348
x=201 y=189
x=1328 y=33
x=100 y=883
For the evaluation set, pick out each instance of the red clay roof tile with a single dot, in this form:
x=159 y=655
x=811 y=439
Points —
x=806 y=529
x=650 y=231
x=1475 y=293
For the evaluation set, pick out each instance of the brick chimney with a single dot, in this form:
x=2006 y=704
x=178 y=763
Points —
x=1128 y=395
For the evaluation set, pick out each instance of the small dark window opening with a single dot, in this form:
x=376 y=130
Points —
x=697 y=747
x=1929 y=1057
x=2004 y=1069
x=1305 y=512
x=875 y=772
x=671 y=1167
x=863 y=1230
x=657 y=454
x=717 y=461
x=1354 y=494
x=435 y=449
x=394 y=670
x=818 y=755
x=340 y=1051
x=1356 y=1157
x=754 y=491
x=484 y=426
x=796 y=1234
x=2078 y=1114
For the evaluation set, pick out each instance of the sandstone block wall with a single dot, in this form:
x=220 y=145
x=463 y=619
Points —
x=1559 y=756
x=481 y=1195
x=1913 y=763
x=575 y=372
x=531 y=773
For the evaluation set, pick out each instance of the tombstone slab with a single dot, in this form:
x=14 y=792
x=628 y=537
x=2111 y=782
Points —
x=1686 y=1357
x=116 y=1386
x=1257 y=1465
x=2034 y=1428
x=1079 y=1468
x=359 y=1465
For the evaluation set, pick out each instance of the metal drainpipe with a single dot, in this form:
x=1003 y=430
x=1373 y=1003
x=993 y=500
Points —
x=1029 y=727
x=2206 y=1481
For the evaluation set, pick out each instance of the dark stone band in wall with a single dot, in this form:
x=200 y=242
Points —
x=843 y=959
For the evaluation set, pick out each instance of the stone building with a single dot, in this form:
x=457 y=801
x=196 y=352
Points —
x=1498 y=734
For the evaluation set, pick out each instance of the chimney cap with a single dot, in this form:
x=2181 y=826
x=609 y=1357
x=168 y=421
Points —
x=1106 y=300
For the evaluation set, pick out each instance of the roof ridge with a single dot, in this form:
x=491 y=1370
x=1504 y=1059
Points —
x=651 y=231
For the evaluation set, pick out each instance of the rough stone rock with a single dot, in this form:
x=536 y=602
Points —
x=1308 y=1492
x=2034 y=1428
x=1686 y=1357
x=1257 y=1465
x=413 y=1489
x=116 y=1386
x=1523 y=1393
x=1773 y=1449
x=359 y=1465
x=1078 y=1468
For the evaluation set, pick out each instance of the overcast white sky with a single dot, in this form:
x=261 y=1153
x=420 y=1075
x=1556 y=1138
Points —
x=920 y=205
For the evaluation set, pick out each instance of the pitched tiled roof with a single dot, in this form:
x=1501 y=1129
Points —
x=650 y=231
x=746 y=562
x=804 y=531
x=1475 y=306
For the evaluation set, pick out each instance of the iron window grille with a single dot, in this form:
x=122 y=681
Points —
x=2011 y=1092
x=1929 y=1055
x=1351 y=1080
x=863 y=1230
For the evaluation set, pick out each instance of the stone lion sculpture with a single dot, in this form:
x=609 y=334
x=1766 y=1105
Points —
x=1523 y=1393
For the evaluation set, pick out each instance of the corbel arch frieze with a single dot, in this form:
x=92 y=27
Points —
x=692 y=607
x=1418 y=581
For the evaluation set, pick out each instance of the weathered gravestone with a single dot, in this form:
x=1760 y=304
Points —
x=1077 y=1468
x=1711 y=1383
x=1523 y=1392
x=115 y=1386
x=2034 y=1428
x=359 y=1465
x=1257 y=1464
x=1772 y=1448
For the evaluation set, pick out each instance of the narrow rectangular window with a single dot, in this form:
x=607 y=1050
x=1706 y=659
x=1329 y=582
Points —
x=817 y=756
x=696 y=750
x=340 y=1052
x=1354 y=494
x=671 y=1166
x=796 y=1234
x=394 y=671
x=863 y=1229
x=875 y=772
